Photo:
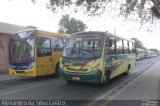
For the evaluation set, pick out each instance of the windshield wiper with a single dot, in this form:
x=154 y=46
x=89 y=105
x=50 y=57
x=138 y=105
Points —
x=94 y=56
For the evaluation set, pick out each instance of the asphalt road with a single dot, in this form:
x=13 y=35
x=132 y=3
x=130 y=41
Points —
x=54 y=88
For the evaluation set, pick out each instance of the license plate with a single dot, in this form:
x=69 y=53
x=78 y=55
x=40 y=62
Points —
x=76 y=78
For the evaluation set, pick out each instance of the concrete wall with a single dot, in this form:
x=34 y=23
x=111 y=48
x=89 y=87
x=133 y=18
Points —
x=4 y=44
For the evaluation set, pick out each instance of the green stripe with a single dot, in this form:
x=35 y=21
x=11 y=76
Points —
x=90 y=77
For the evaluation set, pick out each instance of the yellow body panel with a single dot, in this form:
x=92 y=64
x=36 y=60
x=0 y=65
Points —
x=45 y=65
x=28 y=72
x=123 y=67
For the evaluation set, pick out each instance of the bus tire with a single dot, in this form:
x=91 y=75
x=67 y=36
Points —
x=127 y=72
x=106 y=78
x=57 y=70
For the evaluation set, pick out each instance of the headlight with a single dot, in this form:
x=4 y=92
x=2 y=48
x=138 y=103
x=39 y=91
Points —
x=31 y=65
x=12 y=66
x=96 y=67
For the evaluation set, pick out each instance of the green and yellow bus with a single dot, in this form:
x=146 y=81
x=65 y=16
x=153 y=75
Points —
x=140 y=54
x=96 y=57
x=35 y=52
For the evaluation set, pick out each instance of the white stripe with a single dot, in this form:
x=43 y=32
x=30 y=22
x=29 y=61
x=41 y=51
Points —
x=10 y=92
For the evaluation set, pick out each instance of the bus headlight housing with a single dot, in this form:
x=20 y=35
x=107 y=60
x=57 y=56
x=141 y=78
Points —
x=96 y=67
x=12 y=66
x=31 y=65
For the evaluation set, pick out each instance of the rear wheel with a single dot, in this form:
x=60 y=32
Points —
x=127 y=72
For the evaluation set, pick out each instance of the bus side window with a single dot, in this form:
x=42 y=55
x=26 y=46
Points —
x=133 y=47
x=57 y=44
x=125 y=45
x=119 y=46
x=130 y=47
x=43 y=46
x=110 y=44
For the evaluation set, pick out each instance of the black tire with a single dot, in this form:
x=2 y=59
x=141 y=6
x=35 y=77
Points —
x=57 y=70
x=127 y=72
x=106 y=78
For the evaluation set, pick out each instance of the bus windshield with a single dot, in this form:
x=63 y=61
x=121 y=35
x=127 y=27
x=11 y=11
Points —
x=22 y=45
x=84 y=46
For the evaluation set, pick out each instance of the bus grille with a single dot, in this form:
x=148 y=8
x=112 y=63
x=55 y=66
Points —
x=20 y=72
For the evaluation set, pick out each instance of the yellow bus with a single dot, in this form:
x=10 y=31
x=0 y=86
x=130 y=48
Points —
x=96 y=57
x=35 y=52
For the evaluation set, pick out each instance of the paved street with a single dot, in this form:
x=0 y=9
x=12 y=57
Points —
x=139 y=88
x=144 y=87
x=142 y=83
x=107 y=52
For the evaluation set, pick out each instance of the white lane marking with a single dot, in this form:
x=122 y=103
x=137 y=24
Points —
x=140 y=68
x=10 y=92
x=93 y=103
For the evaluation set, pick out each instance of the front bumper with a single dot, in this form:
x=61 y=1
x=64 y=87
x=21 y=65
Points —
x=93 y=77
x=27 y=72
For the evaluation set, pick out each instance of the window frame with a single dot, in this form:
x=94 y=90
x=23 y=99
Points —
x=60 y=49
x=122 y=51
x=37 y=44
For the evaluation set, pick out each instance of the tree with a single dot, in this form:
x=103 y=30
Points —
x=138 y=43
x=145 y=9
x=154 y=49
x=70 y=25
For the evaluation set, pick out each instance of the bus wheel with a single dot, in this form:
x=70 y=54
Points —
x=106 y=78
x=127 y=72
x=57 y=70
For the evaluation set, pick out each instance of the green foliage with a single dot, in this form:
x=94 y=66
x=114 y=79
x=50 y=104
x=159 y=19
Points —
x=34 y=1
x=96 y=7
x=143 y=9
x=70 y=25
x=138 y=43
x=89 y=5
x=155 y=50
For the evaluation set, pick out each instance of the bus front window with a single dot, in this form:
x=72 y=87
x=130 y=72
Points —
x=22 y=45
x=84 y=46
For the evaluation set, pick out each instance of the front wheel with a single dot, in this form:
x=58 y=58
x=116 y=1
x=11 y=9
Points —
x=106 y=78
x=57 y=70
x=127 y=72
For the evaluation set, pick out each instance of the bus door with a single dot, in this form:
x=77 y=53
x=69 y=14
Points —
x=44 y=56
x=110 y=56
x=57 y=47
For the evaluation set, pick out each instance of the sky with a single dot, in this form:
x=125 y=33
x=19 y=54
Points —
x=24 y=12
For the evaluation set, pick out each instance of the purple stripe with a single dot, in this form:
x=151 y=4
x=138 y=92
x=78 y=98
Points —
x=21 y=61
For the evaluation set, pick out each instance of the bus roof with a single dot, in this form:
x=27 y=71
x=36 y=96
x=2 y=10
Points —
x=52 y=34
x=104 y=33
x=90 y=32
x=120 y=37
